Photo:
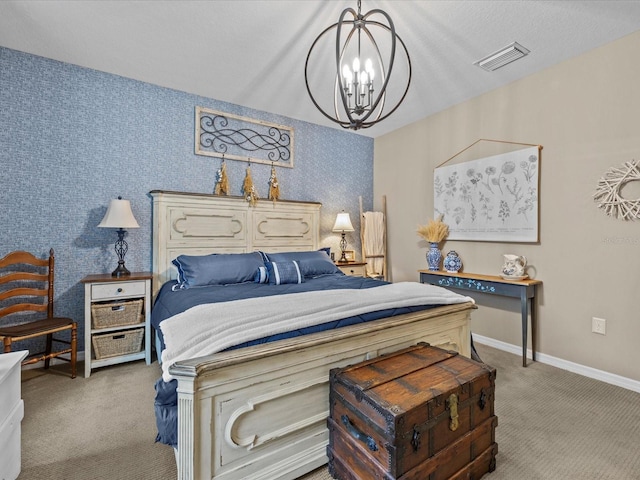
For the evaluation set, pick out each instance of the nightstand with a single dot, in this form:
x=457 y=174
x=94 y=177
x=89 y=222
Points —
x=117 y=319
x=355 y=269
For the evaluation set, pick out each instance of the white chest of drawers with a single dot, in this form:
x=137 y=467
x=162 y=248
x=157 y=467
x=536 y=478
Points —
x=11 y=414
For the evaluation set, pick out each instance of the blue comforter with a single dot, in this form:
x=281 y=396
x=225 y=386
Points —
x=169 y=303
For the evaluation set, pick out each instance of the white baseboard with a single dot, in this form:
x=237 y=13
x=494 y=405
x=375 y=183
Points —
x=590 y=372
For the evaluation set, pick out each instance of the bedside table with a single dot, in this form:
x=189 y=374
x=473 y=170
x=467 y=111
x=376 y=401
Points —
x=355 y=269
x=117 y=319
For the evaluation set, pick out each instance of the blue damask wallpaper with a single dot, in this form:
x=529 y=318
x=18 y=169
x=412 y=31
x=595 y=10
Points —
x=72 y=138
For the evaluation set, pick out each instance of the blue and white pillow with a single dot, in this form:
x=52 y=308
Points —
x=262 y=275
x=312 y=263
x=284 y=272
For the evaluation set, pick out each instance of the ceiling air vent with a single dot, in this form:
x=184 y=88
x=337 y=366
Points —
x=502 y=57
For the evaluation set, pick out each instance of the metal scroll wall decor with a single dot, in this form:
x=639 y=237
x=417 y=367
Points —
x=608 y=193
x=233 y=137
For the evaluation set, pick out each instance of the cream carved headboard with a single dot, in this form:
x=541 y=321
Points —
x=200 y=224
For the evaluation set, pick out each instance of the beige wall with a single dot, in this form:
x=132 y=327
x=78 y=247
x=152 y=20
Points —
x=585 y=113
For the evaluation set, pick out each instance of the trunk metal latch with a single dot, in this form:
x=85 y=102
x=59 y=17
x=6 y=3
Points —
x=453 y=411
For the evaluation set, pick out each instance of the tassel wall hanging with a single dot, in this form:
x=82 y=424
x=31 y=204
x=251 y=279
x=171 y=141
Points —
x=249 y=189
x=274 y=186
x=222 y=181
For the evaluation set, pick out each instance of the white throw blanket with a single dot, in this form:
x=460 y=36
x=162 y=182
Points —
x=374 y=242
x=210 y=328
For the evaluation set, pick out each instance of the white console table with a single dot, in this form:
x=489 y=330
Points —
x=11 y=413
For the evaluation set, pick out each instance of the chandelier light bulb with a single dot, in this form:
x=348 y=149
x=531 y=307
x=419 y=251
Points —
x=346 y=73
x=356 y=65
x=365 y=80
x=368 y=66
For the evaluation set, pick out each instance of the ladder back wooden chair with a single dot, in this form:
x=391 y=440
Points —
x=26 y=290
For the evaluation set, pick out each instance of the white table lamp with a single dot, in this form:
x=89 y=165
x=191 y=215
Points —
x=120 y=216
x=342 y=225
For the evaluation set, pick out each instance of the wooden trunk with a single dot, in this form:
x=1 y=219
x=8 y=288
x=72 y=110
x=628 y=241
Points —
x=422 y=413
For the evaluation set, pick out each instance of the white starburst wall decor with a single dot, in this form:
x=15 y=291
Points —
x=608 y=193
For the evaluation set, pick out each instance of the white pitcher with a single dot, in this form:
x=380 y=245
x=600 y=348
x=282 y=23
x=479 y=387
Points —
x=514 y=265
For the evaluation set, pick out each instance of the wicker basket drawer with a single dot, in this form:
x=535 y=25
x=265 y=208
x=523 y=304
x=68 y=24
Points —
x=117 y=343
x=116 y=314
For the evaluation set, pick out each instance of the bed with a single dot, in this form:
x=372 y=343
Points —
x=259 y=412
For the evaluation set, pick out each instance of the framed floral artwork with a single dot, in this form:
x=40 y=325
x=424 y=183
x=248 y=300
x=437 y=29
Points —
x=493 y=198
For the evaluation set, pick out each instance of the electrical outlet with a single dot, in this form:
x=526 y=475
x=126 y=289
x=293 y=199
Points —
x=598 y=325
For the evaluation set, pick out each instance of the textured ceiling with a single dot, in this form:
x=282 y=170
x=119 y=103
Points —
x=252 y=53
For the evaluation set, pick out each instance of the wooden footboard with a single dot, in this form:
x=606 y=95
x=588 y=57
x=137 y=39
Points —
x=259 y=413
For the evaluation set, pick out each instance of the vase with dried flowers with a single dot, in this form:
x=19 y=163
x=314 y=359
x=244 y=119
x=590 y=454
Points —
x=434 y=232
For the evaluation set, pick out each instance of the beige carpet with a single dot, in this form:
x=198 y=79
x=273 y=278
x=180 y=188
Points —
x=94 y=428
x=553 y=425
